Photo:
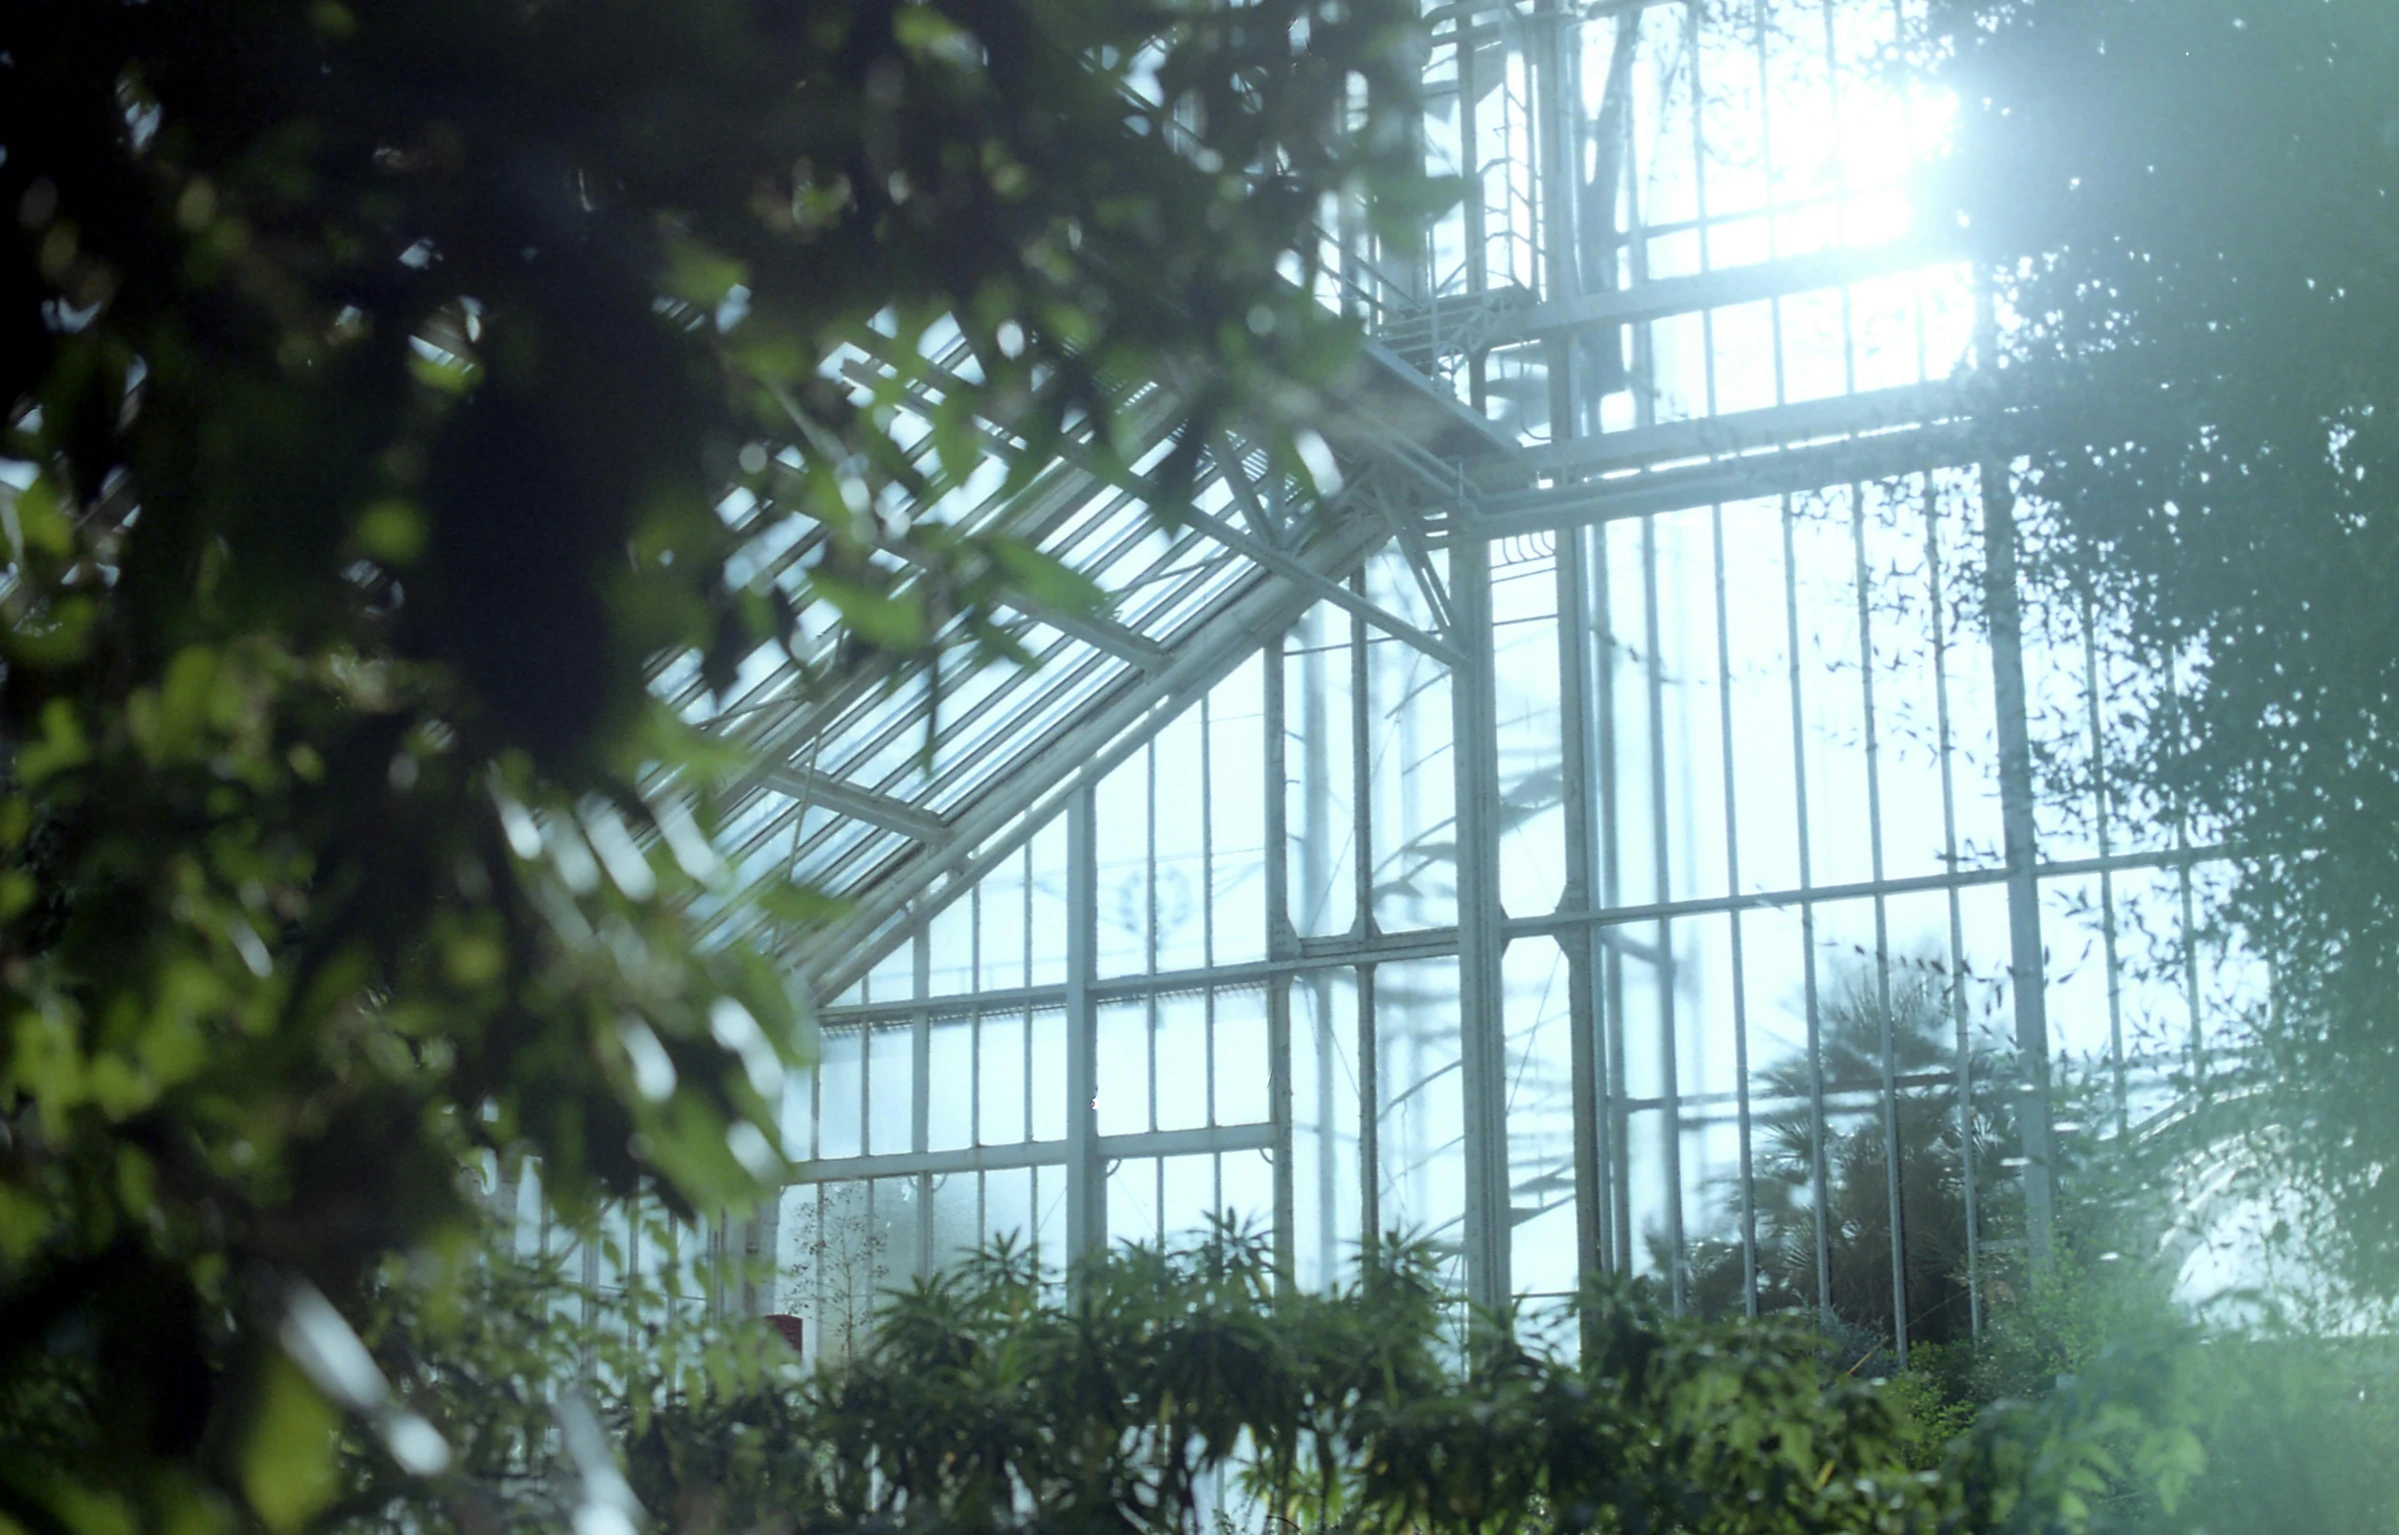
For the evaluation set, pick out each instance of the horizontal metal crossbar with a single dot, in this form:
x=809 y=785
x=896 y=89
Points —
x=1556 y=922
x=1716 y=289
x=984 y=1159
x=1348 y=950
x=1716 y=482
x=1773 y=428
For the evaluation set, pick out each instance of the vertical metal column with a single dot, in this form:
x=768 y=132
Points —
x=1615 y=1142
x=1207 y=779
x=1316 y=895
x=1893 y=1152
x=1024 y=978
x=1554 y=151
x=1362 y=870
x=1670 y=1092
x=762 y=1235
x=1470 y=141
x=1581 y=944
x=1819 y=1176
x=2100 y=816
x=1562 y=278
x=1732 y=885
x=2190 y=951
x=1969 y=1172
x=1482 y=1024
x=1282 y=946
x=2027 y=973
x=1149 y=966
x=1086 y=1178
x=920 y=1092
x=974 y=1053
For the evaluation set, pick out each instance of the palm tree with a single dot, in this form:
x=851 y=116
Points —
x=1858 y=1020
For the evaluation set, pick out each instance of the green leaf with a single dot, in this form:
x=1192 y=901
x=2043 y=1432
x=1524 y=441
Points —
x=698 y=274
x=888 y=619
x=927 y=33
x=1046 y=579
x=36 y=522
x=392 y=532
x=289 y=1466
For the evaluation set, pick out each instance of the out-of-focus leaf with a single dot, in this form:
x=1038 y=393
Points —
x=289 y=1465
x=1045 y=579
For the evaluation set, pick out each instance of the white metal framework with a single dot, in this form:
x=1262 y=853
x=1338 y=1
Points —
x=1487 y=853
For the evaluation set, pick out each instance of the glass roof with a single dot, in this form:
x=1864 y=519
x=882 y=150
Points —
x=867 y=778
x=890 y=785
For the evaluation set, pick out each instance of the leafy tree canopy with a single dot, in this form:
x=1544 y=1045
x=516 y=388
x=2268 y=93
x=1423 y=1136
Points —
x=2189 y=210
x=374 y=376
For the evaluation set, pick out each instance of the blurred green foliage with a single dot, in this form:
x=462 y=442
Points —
x=2188 y=212
x=373 y=378
x=2282 y=1425
x=1185 y=1388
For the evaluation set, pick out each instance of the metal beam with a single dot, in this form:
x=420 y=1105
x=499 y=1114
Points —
x=1750 y=283
x=1407 y=526
x=1744 y=1127
x=1771 y=429
x=999 y=821
x=1347 y=950
x=1314 y=956
x=1661 y=845
x=1482 y=1025
x=1235 y=473
x=1102 y=634
x=1319 y=585
x=988 y=1159
x=1556 y=922
x=846 y=798
x=1086 y=1174
x=1066 y=671
x=1576 y=741
x=1281 y=942
x=1369 y=1035
x=2027 y=967
x=1786 y=471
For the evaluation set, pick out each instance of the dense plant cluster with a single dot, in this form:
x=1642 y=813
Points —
x=1182 y=1389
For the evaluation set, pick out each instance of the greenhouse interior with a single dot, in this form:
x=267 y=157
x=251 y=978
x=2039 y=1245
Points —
x=1169 y=767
